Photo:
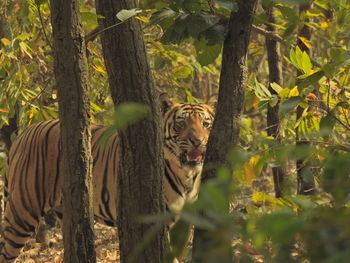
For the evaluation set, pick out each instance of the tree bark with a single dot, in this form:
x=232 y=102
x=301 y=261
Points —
x=225 y=132
x=305 y=187
x=76 y=164
x=275 y=75
x=6 y=131
x=141 y=146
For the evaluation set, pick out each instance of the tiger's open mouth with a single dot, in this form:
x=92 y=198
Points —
x=192 y=158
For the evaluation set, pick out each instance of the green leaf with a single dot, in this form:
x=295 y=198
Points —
x=306 y=63
x=276 y=87
x=289 y=104
x=125 y=114
x=197 y=220
x=39 y=2
x=89 y=19
x=215 y=34
x=125 y=14
x=194 y=6
x=181 y=24
x=336 y=53
x=300 y=59
x=310 y=80
x=343 y=104
x=183 y=72
x=161 y=15
x=307 y=174
x=172 y=36
x=327 y=124
x=331 y=69
x=288 y=13
x=200 y=22
x=290 y=2
x=206 y=54
x=280 y=226
x=228 y=4
x=128 y=113
x=261 y=91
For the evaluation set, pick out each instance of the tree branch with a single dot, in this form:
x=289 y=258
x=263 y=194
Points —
x=268 y=34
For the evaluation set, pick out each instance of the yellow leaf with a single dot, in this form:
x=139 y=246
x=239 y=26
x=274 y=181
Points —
x=24 y=49
x=252 y=169
x=260 y=197
x=284 y=93
x=324 y=24
x=143 y=19
x=249 y=173
x=99 y=69
x=5 y=41
x=305 y=41
x=294 y=92
x=4 y=110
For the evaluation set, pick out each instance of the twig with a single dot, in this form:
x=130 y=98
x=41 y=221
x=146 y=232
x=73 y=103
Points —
x=278 y=38
x=324 y=107
x=91 y=36
x=94 y=33
x=42 y=25
x=268 y=34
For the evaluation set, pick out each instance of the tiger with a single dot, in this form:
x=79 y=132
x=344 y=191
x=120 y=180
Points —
x=33 y=181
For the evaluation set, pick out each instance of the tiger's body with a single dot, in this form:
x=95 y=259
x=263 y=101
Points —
x=33 y=182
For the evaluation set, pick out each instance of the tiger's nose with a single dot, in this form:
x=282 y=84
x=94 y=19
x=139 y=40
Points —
x=195 y=141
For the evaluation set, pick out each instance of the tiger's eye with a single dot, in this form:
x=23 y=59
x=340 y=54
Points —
x=206 y=124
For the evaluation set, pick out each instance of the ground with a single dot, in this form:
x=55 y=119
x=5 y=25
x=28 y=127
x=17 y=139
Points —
x=106 y=247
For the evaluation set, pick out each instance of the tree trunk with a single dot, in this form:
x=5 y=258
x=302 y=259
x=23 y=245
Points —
x=6 y=131
x=304 y=186
x=141 y=165
x=225 y=132
x=76 y=163
x=275 y=75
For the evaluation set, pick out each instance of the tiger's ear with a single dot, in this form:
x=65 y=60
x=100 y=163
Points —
x=165 y=102
x=212 y=102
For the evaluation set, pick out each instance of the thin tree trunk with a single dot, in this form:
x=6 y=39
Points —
x=275 y=75
x=304 y=186
x=76 y=164
x=6 y=131
x=141 y=148
x=225 y=132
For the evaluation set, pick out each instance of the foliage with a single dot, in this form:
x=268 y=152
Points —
x=124 y=115
x=184 y=40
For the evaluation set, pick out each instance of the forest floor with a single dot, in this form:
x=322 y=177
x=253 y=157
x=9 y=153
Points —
x=107 y=245
x=105 y=242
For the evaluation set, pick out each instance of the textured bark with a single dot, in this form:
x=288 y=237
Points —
x=275 y=75
x=76 y=163
x=305 y=187
x=225 y=132
x=141 y=166
x=6 y=131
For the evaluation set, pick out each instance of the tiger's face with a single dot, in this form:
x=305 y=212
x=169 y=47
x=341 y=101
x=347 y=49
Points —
x=187 y=127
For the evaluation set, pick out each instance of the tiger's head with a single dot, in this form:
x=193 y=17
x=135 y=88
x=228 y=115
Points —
x=186 y=129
